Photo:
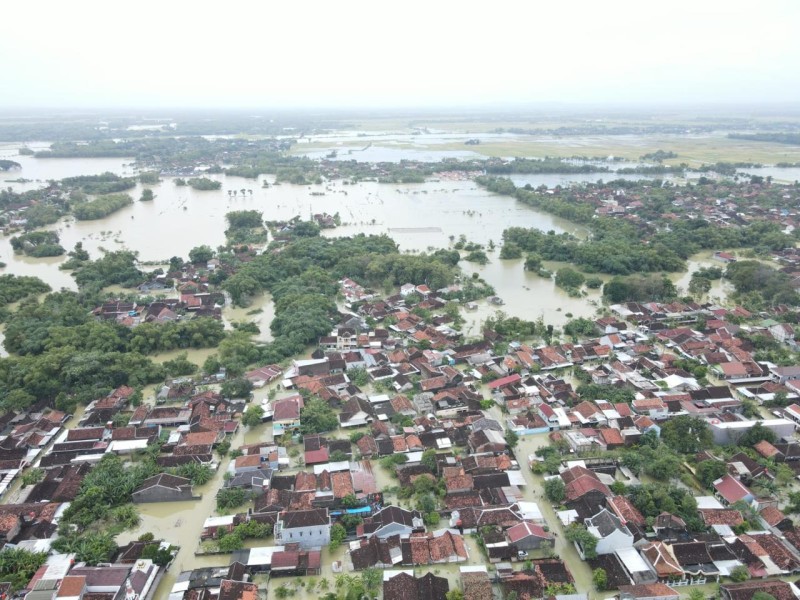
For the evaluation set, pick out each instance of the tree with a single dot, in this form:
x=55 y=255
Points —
x=578 y=534
x=510 y=251
x=338 y=535
x=317 y=417
x=429 y=459
x=147 y=195
x=762 y=596
x=372 y=579
x=599 y=579
x=231 y=498
x=201 y=254
x=358 y=375
x=253 y=415
x=686 y=434
x=512 y=439
x=432 y=519
x=533 y=262
x=756 y=434
x=699 y=286
x=239 y=387
x=708 y=471
x=740 y=574
x=17 y=566
x=555 y=490
x=230 y=542
x=569 y=278
x=454 y=594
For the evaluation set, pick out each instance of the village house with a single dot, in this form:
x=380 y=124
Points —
x=309 y=528
x=164 y=488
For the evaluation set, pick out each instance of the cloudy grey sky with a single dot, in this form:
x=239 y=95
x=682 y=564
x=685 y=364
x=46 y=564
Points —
x=197 y=53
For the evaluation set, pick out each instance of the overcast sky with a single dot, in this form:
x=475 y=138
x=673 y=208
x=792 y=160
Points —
x=196 y=53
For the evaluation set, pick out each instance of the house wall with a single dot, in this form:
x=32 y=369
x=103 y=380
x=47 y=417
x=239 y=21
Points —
x=532 y=543
x=308 y=537
x=613 y=542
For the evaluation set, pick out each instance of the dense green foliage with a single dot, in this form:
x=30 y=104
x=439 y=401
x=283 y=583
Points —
x=760 y=285
x=231 y=498
x=652 y=500
x=639 y=288
x=105 y=183
x=38 y=244
x=317 y=417
x=619 y=247
x=107 y=486
x=555 y=490
x=245 y=227
x=17 y=287
x=59 y=351
x=578 y=534
x=302 y=279
x=252 y=415
x=204 y=183
x=101 y=207
x=568 y=278
x=512 y=328
x=611 y=393
x=686 y=434
x=113 y=268
x=709 y=471
x=17 y=565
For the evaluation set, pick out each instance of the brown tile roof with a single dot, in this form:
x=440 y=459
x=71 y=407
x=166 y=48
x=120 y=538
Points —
x=583 y=485
x=779 y=554
x=458 y=482
x=304 y=481
x=765 y=449
x=649 y=590
x=237 y=590
x=342 y=484
x=247 y=460
x=476 y=586
x=772 y=515
x=721 y=516
x=780 y=590
x=625 y=510
x=611 y=436
x=660 y=556
x=86 y=433
x=71 y=585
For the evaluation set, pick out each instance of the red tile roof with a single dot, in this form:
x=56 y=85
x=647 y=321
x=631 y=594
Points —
x=526 y=529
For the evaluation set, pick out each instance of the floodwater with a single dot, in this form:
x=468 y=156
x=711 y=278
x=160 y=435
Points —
x=40 y=170
x=388 y=154
x=419 y=217
x=783 y=175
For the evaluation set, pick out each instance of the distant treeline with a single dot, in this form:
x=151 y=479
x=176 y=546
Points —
x=779 y=138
